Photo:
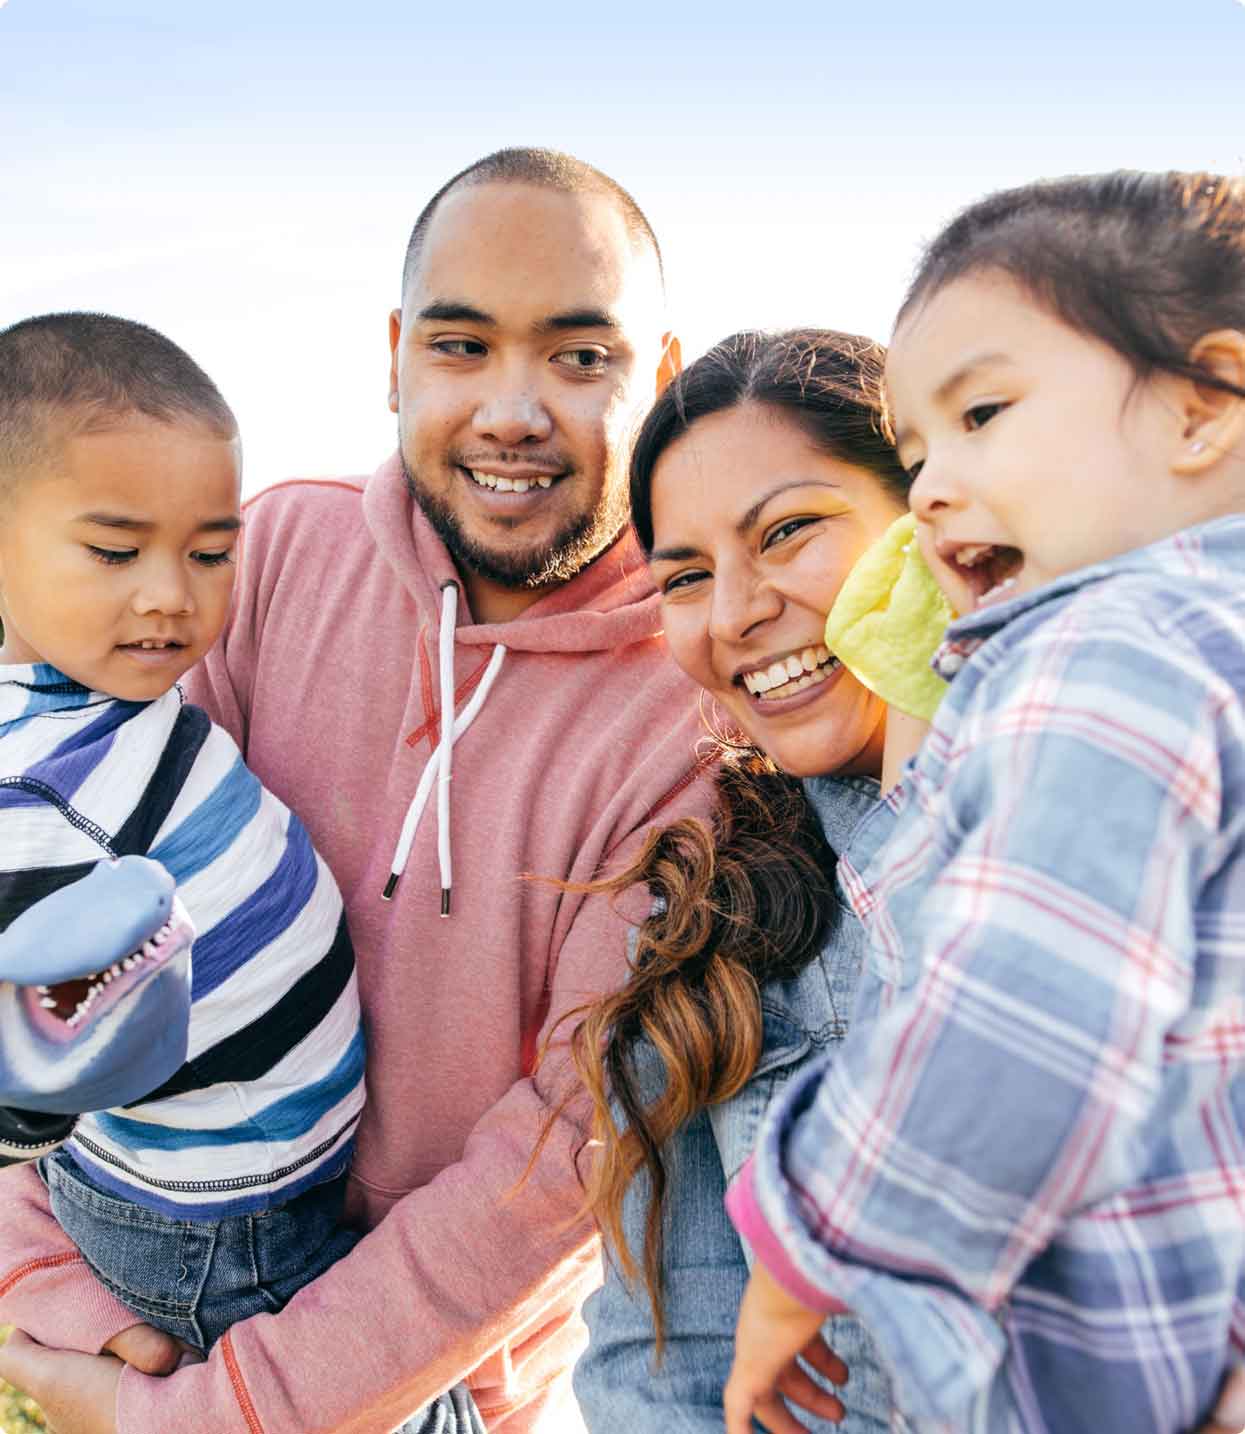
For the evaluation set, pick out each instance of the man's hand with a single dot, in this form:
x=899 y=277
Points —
x=772 y=1330
x=77 y=1392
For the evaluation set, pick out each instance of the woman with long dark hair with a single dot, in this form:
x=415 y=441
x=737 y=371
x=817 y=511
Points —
x=757 y=481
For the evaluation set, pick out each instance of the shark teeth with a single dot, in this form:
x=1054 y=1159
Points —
x=99 y=979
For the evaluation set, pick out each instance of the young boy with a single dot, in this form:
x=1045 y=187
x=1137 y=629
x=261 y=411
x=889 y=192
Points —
x=218 y=1195
x=1024 y=1173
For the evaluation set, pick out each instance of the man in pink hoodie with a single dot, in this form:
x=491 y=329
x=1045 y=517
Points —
x=479 y=588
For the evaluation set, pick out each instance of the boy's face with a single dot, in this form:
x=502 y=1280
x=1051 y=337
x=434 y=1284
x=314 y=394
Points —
x=1038 y=451
x=117 y=555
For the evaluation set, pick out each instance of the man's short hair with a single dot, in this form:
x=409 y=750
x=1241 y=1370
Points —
x=548 y=168
x=65 y=374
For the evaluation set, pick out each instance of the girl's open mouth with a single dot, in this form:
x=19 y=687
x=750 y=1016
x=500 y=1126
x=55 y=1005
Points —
x=987 y=569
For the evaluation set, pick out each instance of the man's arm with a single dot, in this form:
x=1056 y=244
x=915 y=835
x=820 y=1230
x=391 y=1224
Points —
x=45 y=1286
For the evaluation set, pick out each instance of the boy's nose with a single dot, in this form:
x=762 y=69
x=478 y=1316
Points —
x=164 y=591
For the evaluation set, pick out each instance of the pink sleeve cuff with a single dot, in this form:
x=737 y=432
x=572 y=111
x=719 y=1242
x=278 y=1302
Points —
x=745 y=1212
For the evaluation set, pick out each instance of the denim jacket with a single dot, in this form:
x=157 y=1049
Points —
x=619 y=1387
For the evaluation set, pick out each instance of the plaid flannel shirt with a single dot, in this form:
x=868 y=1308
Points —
x=1025 y=1169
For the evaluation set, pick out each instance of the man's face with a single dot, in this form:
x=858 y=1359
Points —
x=526 y=351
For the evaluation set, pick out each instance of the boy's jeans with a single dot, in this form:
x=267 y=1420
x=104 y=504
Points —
x=194 y=1279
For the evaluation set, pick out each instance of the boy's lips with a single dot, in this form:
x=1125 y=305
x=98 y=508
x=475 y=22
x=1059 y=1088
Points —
x=153 y=652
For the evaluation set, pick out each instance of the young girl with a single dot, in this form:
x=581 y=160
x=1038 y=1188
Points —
x=1024 y=1171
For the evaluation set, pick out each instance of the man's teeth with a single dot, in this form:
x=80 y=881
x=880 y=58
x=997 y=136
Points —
x=99 y=980
x=789 y=675
x=509 y=485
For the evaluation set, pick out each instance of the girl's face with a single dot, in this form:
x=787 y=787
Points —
x=754 y=531
x=1034 y=449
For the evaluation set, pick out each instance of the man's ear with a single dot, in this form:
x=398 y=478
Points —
x=395 y=334
x=1214 y=419
x=671 y=361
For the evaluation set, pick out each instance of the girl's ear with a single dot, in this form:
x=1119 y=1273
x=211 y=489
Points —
x=1214 y=417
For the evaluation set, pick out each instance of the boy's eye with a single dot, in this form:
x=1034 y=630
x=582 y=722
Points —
x=981 y=413
x=112 y=556
x=214 y=560
x=582 y=360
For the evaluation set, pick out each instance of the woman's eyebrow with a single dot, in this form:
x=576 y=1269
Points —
x=753 y=513
x=673 y=555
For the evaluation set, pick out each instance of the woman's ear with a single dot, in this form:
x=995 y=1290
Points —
x=1214 y=418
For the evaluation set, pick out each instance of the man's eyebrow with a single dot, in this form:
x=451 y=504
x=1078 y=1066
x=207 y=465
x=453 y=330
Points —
x=230 y=524
x=953 y=380
x=451 y=311
x=679 y=555
x=578 y=319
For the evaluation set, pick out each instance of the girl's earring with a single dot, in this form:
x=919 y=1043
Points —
x=1197 y=447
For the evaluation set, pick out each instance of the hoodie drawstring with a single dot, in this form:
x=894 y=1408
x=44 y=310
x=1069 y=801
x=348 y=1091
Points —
x=439 y=764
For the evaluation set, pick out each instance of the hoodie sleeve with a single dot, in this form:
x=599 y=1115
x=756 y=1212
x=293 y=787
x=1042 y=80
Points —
x=45 y=1286
x=469 y=1263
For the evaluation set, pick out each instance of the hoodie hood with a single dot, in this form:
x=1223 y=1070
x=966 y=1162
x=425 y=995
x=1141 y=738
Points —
x=608 y=605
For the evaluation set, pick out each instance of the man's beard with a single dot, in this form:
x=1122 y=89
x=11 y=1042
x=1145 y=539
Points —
x=584 y=537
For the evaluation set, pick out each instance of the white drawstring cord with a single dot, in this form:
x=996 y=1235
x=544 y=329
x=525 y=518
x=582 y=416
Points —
x=449 y=618
x=415 y=811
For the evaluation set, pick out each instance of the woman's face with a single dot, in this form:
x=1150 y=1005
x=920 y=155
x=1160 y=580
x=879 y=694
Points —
x=754 y=531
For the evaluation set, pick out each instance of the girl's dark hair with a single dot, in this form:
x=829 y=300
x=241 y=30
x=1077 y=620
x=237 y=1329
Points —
x=748 y=899
x=1146 y=263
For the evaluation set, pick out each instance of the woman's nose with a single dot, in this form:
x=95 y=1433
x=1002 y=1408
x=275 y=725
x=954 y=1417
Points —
x=742 y=599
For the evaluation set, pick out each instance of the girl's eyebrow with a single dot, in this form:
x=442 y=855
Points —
x=953 y=380
x=679 y=555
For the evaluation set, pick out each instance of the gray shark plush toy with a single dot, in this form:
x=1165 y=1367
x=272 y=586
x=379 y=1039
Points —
x=94 y=1001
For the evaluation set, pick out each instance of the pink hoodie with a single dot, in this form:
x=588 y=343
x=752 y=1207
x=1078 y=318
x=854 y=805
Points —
x=327 y=678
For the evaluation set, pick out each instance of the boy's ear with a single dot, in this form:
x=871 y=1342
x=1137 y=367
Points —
x=395 y=333
x=1214 y=419
x=671 y=362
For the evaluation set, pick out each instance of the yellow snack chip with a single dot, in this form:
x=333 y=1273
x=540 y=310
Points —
x=888 y=620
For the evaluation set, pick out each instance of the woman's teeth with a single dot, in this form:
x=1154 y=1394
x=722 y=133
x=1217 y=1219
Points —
x=509 y=485
x=789 y=675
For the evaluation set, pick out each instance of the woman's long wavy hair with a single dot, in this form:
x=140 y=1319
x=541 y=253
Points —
x=748 y=899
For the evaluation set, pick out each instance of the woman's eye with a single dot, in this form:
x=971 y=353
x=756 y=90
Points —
x=460 y=348
x=582 y=360
x=112 y=556
x=785 y=530
x=682 y=581
x=214 y=560
x=981 y=413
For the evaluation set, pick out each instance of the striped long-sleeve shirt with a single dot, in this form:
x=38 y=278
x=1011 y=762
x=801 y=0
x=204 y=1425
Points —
x=1025 y=1170
x=267 y=1102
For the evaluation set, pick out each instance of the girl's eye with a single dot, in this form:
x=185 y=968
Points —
x=913 y=470
x=460 y=348
x=981 y=413
x=582 y=360
x=785 y=530
x=112 y=556
x=214 y=560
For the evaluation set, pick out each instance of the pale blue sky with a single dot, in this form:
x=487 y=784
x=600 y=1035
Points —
x=243 y=174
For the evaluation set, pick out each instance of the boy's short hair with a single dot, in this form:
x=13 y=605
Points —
x=64 y=374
